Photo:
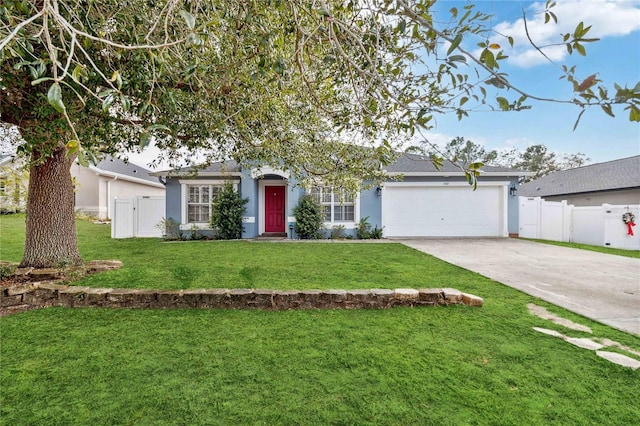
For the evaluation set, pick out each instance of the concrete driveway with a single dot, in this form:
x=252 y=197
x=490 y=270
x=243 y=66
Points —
x=602 y=287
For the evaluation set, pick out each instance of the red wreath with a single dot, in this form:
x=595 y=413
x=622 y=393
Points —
x=630 y=220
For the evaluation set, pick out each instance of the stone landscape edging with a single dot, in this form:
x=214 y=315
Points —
x=45 y=294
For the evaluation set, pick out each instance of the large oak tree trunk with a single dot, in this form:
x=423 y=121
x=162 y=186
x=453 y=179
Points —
x=51 y=230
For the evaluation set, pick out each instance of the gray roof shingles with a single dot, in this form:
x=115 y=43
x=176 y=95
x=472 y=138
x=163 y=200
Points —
x=406 y=163
x=611 y=175
x=413 y=163
x=115 y=165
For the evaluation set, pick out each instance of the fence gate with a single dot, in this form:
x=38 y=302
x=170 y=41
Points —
x=137 y=217
x=529 y=217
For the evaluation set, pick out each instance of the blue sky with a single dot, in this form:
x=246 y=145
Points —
x=616 y=58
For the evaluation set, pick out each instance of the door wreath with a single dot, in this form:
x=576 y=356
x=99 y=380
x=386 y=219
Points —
x=630 y=220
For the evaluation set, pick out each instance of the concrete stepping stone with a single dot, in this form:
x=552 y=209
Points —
x=619 y=359
x=549 y=332
x=584 y=343
x=541 y=312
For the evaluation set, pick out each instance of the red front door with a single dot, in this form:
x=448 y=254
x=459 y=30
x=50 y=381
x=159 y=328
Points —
x=274 y=209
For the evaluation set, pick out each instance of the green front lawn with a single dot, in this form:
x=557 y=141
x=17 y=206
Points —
x=152 y=263
x=453 y=365
x=599 y=249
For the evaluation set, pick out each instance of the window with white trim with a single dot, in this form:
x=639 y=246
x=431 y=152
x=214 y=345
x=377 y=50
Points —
x=199 y=202
x=337 y=206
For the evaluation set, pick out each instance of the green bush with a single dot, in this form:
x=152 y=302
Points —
x=227 y=211
x=376 y=233
x=195 y=234
x=363 y=231
x=309 y=220
x=337 y=232
x=170 y=229
x=7 y=270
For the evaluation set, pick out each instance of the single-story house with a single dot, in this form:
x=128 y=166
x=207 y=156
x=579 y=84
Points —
x=96 y=186
x=424 y=202
x=614 y=182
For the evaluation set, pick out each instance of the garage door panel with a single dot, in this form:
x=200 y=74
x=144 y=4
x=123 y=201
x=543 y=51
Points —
x=442 y=211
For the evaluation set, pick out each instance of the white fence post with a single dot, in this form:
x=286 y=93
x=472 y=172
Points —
x=567 y=228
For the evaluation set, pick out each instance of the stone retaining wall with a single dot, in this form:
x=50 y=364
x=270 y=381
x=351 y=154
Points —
x=50 y=294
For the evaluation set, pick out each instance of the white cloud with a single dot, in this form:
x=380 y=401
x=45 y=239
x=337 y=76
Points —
x=609 y=18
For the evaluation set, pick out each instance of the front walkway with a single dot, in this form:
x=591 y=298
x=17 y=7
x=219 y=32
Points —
x=603 y=287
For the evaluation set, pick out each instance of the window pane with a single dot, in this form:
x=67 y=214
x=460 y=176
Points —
x=326 y=195
x=194 y=193
x=348 y=214
x=326 y=212
x=315 y=193
x=346 y=198
x=337 y=214
x=198 y=213
x=214 y=192
x=204 y=214
x=192 y=214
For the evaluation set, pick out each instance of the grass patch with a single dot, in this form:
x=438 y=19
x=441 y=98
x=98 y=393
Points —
x=599 y=249
x=453 y=365
x=152 y=263
x=401 y=366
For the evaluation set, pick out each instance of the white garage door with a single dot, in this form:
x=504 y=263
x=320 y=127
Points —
x=458 y=211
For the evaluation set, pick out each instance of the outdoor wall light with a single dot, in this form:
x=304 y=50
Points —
x=513 y=191
x=378 y=192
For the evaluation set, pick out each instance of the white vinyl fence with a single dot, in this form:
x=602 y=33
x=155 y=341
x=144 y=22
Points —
x=595 y=225
x=137 y=217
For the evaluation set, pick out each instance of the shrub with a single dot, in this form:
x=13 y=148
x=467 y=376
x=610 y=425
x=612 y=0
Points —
x=227 y=211
x=195 y=234
x=363 y=231
x=376 y=233
x=7 y=270
x=309 y=220
x=337 y=232
x=170 y=229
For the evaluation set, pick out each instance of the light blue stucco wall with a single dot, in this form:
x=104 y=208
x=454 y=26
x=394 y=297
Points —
x=249 y=189
x=173 y=199
x=512 y=209
x=371 y=206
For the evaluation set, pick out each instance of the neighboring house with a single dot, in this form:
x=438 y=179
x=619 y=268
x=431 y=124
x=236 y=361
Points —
x=96 y=186
x=425 y=202
x=614 y=182
x=14 y=185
